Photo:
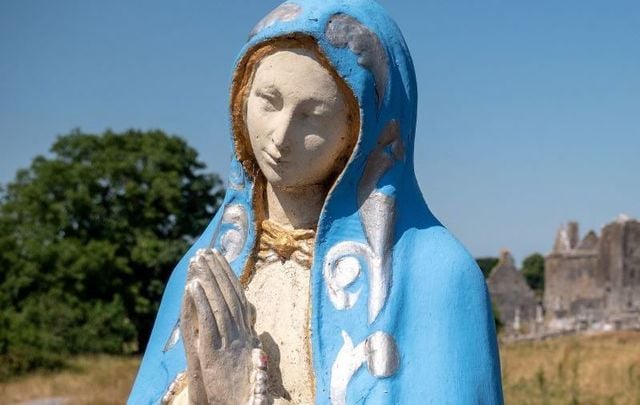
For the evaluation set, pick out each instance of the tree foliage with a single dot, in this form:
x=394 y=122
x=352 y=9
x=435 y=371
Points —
x=88 y=237
x=533 y=271
x=497 y=318
x=487 y=264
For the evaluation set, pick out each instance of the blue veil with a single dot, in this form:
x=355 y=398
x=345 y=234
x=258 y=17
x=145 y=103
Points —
x=400 y=311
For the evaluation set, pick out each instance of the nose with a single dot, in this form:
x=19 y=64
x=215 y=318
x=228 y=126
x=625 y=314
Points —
x=281 y=136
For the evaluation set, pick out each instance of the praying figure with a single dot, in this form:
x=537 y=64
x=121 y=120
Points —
x=324 y=277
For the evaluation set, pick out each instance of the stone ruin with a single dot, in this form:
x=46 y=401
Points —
x=516 y=303
x=593 y=283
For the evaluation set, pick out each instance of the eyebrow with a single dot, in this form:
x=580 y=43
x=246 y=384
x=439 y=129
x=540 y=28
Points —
x=268 y=91
x=267 y=88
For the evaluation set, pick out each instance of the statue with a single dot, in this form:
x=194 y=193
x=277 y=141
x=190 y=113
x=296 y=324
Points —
x=323 y=278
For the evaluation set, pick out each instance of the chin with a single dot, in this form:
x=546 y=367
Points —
x=279 y=181
x=285 y=181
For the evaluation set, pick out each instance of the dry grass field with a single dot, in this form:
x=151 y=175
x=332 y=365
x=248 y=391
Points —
x=95 y=380
x=601 y=369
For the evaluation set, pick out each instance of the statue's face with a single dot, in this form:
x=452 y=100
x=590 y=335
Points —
x=297 y=119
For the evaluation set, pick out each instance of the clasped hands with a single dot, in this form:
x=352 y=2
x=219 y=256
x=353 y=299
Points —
x=224 y=362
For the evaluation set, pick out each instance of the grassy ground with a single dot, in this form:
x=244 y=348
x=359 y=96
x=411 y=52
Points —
x=96 y=380
x=602 y=369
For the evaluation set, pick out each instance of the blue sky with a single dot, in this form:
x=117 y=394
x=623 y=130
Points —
x=529 y=111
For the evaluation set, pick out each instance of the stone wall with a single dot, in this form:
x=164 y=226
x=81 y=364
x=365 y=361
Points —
x=621 y=258
x=594 y=283
x=571 y=283
x=512 y=296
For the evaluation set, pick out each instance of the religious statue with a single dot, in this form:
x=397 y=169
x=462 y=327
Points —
x=323 y=278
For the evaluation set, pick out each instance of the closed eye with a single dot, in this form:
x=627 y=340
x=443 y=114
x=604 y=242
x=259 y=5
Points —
x=314 y=108
x=271 y=98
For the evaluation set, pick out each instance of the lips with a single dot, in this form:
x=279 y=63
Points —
x=273 y=160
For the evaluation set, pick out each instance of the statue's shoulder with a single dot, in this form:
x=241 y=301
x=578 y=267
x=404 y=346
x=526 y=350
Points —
x=448 y=333
x=435 y=255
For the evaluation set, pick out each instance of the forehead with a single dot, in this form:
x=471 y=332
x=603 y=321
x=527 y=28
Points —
x=294 y=69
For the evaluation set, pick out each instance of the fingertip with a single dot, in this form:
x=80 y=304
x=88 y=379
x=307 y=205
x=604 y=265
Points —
x=219 y=256
x=201 y=252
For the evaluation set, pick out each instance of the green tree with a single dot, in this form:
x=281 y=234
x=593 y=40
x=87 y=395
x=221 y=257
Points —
x=88 y=237
x=533 y=272
x=497 y=318
x=486 y=264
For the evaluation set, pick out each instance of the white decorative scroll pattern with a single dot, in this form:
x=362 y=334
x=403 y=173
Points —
x=342 y=264
x=174 y=337
x=379 y=351
x=377 y=212
x=344 y=261
x=345 y=31
x=341 y=270
x=378 y=218
x=236 y=177
x=232 y=231
x=283 y=13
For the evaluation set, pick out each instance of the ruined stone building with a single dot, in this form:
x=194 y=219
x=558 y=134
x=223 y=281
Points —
x=593 y=283
x=513 y=298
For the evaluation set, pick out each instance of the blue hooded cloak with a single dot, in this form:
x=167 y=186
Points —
x=400 y=311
